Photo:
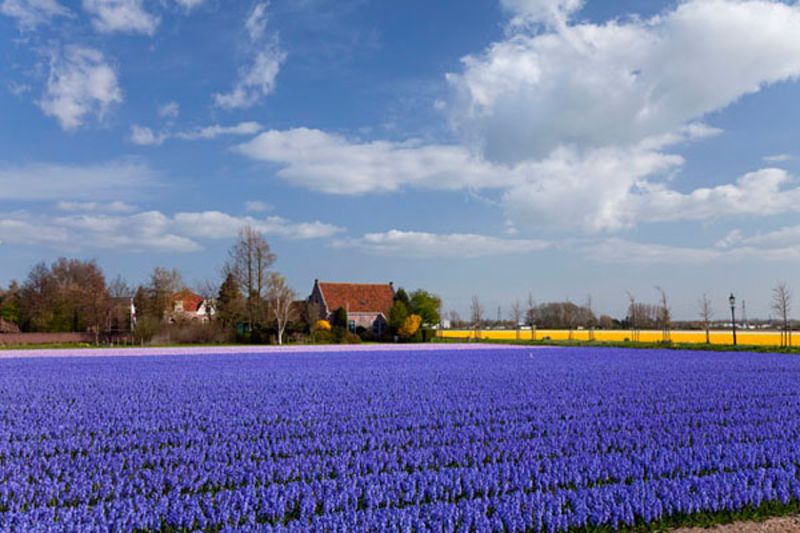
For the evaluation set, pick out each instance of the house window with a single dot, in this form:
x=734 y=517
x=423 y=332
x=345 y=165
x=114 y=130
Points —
x=179 y=306
x=351 y=325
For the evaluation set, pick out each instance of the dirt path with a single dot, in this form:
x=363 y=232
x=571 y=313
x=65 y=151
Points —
x=774 y=525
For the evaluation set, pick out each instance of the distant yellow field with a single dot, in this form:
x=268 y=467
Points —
x=755 y=338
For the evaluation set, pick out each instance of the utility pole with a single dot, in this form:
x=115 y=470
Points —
x=499 y=315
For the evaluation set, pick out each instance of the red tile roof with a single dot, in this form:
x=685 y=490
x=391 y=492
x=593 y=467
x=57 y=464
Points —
x=358 y=297
x=191 y=301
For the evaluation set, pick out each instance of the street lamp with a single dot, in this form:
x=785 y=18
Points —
x=732 y=301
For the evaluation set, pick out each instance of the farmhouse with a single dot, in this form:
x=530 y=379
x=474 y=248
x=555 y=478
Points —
x=367 y=304
x=187 y=305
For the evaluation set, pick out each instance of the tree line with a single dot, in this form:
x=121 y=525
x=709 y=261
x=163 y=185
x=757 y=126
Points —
x=252 y=303
x=640 y=315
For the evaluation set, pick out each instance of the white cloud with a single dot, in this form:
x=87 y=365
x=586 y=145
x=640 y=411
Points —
x=189 y=4
x=256 y=206
x=127 y=16
x=770 y=191
x=423 y=244
x=212 y=132
x=333 y=164
x=258 y=79
x=554 y=12
x=145 y=136
x=587 y=191
x=621 y=82
x=169 y=110
x=63 y=182
x=778 y=158
x=145 y=231
x=574 y=122
x=33 y=13
x=116 y=206
x=255 y=82
x=80 y=83
x=218 y=225
x=256 y=23
x=628 y=252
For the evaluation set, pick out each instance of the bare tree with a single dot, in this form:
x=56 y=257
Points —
x=706 y=314
x=632 y=318
x=119 y=288
x=589 y=312
x=476 y=312
x=530 y=311
x=279 y=302
x=455 y=318
x=516 y=316
x=249 y=262
x=782 y=305
x=664 y=314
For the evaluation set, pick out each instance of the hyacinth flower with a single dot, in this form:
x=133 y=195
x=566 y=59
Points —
x=441 y=439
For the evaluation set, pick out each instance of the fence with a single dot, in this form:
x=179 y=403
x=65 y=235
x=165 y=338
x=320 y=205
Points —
x=745 y=337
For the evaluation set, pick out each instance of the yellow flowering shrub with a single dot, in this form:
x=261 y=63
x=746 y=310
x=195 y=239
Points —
x=410 y=326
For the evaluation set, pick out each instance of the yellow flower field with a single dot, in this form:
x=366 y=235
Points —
x=755 y=338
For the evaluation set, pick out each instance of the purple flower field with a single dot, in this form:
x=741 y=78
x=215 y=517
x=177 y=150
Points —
x=509 y=439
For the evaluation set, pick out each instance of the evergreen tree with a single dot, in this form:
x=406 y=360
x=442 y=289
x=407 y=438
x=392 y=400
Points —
x=230 y=302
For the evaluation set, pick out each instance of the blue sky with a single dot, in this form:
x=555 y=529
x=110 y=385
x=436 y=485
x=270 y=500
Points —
x=493 y=147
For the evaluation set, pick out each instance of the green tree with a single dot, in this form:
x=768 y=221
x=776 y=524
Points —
x=230 y=302
x=428 y=306
x=402 y=296
x=397 y=316
x=70 y=295
x=9 y=303
x=339 y=319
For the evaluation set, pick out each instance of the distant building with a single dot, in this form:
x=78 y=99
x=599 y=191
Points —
x=188 y=306
x=367 y=304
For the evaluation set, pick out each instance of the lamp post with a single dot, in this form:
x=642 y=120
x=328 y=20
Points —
x=732 y=301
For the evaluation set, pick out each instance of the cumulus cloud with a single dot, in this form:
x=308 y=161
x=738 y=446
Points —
x=81 y=83
x=258 y=79
x=65 y=182
x=620 y=82
x=334 y=164
x=769 y=191
x=574 y=122
x=423 y=244
x=145 y=231
x=127 y=16
x=145 y=136
x=33 y=13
